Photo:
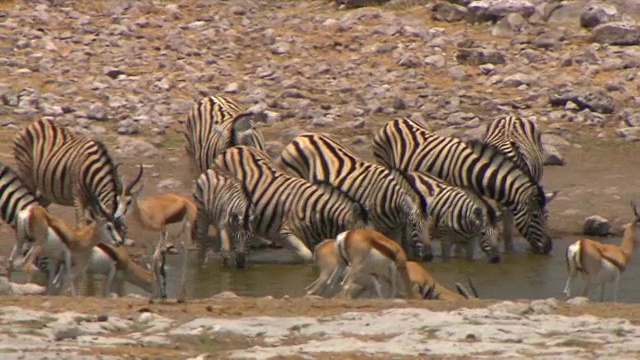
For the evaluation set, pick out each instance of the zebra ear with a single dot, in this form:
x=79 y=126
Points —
x=244 y=122
x=478 y=214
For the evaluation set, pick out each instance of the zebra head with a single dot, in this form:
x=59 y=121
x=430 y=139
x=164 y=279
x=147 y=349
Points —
x=531 y=221
x=126 y=194
x=242 y=229
x=486 y=224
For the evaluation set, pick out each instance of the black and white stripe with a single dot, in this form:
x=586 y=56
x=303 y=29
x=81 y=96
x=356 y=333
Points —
x=323 y=161
x=223 y=203
x=69 y=170
x=456 y=215
x=215 y=124
x=520 y=140
x=287 y=209
x=482 y=168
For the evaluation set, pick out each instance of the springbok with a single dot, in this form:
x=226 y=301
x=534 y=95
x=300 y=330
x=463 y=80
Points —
x=425 y=285
x=116 y=262
x=56 y=239
x=602 y=263
x=369 y=252
x=155 y=213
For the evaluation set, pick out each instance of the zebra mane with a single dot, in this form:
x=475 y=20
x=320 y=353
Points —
x=480 y=147
x=491 y=212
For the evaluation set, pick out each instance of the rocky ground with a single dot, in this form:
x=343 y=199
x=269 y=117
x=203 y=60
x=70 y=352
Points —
x=128 y=71
x=227 y=327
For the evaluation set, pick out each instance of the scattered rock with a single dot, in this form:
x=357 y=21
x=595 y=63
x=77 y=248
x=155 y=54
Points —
x=446 y=11
x=114 y=73
x=65 y=330
x=592 y=98
x=479 y=57
x=617 y=33
x=349 y=4
x=598 y=13
x=225 y=295
x=492 y=10
x=134 y=148
x=544 y=306
x=578 y=301
x=128 y=127
x=552 y=156
x=97 y=111
x=596 y=225
x=169 y=184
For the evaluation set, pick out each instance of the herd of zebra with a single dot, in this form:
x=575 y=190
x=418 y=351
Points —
x=422 y=187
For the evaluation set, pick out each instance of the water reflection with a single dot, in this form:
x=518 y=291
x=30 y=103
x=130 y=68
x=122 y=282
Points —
x=519 y=276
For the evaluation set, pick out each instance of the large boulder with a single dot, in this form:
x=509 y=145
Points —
x=617 y=33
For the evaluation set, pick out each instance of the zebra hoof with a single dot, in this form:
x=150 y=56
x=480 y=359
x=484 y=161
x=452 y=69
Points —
x=494 y=259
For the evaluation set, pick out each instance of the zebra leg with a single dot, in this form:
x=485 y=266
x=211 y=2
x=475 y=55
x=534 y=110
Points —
x=225 y=246
x=296 y=244
x=202 y=238
x=507 y=229
x=471 y=248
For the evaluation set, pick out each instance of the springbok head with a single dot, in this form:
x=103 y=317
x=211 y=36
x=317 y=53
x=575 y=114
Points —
x=126 y=197
x=114 y=229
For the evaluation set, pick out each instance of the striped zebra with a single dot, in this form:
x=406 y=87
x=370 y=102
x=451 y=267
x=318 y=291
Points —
x=456 y=215
x=392 y=211
x=70 y=170
x=403 y=145
x=521 y=141
x=15 y=201
x=215 y=124
x=287 y=209
x=222 y=202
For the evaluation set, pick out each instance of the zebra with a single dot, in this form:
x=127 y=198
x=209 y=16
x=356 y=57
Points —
x=290 y=210
x=71 y=170
x=521 y=141
x=456 y=215
x=222 y=201
x=15 y=201
x=404 y=145
x=217 y=123
x=393 y=211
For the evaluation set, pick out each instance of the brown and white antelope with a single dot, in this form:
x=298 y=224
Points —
x=369 y=252
x=428 y=288
x=157 y=212
x=602 y=263
x=56 y=239
x=116 y=262
x=329 y=264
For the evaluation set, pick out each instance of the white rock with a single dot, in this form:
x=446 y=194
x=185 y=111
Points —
x=596 y=225
x=65 y=330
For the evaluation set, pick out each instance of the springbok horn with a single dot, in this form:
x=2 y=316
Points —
x=119 y=179
x=635 y=209
x=136 y=180
x=431 y=292
x=473 y=288
x=462 y=290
